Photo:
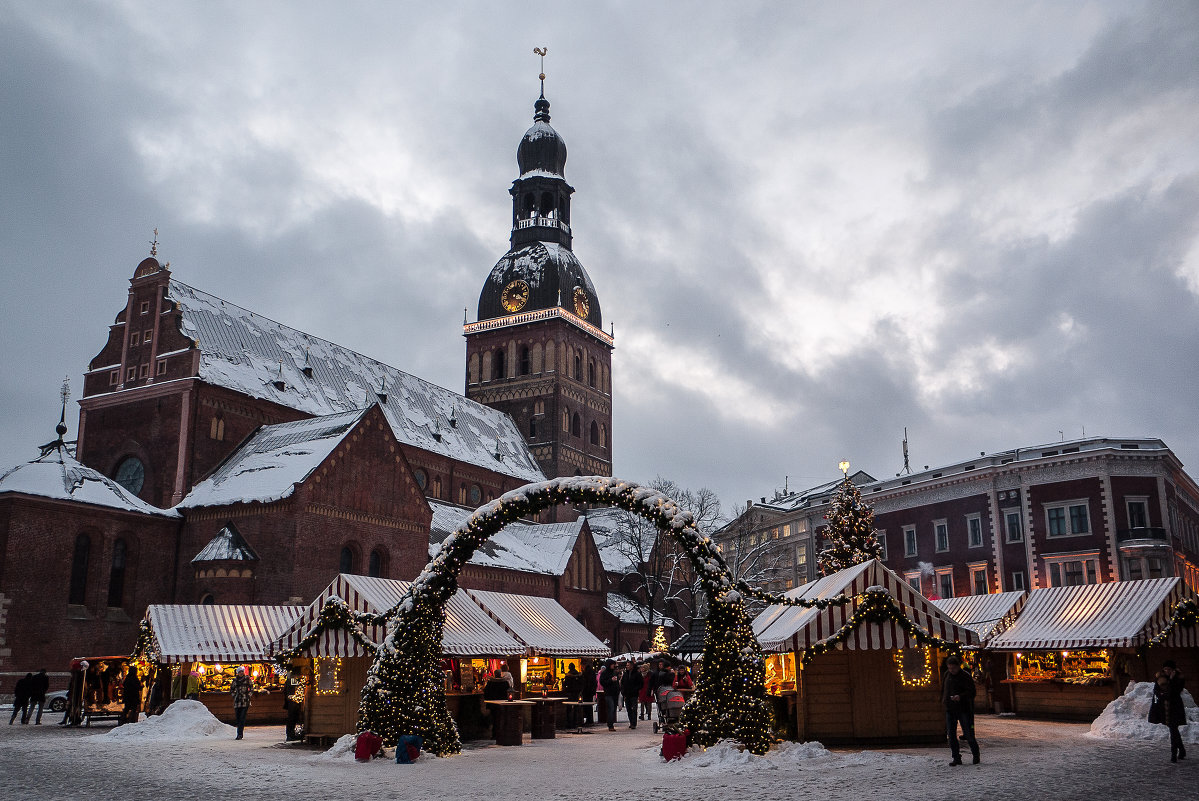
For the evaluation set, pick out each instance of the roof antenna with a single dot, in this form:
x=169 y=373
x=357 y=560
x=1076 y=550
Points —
x=154 y=244
x=907 y=468
x=61 y=429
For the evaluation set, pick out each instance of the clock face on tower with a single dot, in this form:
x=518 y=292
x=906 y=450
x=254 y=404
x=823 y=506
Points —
x=582 y=304
x=515 y=296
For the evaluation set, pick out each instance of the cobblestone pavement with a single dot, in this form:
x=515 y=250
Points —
x=1021 y=760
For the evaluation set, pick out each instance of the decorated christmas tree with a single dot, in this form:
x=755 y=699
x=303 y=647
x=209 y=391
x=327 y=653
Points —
x=849 y=539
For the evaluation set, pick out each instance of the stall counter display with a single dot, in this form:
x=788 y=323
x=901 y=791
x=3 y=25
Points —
x=1080 y=667
x=1067 y=685
x=780 y=673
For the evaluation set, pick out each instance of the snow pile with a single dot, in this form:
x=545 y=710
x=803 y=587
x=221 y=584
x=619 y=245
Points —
x=1126 y=718
x=182 y=720
x=798 y=752
x=343 y=748
x=730 y=756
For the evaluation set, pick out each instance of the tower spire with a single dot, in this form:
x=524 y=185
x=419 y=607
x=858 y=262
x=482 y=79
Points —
x=541 y=51
x=61 y=429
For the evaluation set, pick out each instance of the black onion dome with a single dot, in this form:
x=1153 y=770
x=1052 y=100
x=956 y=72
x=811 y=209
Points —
x=552 y=273
x=541 y=149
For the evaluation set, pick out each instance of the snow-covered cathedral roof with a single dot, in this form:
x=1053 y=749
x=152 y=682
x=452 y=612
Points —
x=606 y=529
x=58 y=476
x=273 y=461
x=528 y=547
x=256 y=356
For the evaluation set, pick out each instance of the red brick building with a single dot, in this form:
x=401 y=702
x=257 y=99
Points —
x=1079 y=512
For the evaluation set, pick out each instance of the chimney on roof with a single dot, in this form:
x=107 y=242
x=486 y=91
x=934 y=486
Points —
x=307 y=368
x=749 y=503
x=763 y=499
x=382 y=393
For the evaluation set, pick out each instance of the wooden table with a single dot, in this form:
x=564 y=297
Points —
x=545 y=717
x=506 y=721
x=578 y=707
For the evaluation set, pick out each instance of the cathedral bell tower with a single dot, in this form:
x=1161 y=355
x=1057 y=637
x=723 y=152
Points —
x=538 y=350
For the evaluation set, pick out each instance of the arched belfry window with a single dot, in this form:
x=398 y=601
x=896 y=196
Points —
x=525 y=366
x=116 y=576
x=566 y=420
x=576 y=425
x=595 y=435
x=500 y=369
x=78 y=591
x=579 y=365
x=375 y=566
x=591 y=373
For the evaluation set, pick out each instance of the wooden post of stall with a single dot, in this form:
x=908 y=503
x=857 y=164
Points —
x=801 y=701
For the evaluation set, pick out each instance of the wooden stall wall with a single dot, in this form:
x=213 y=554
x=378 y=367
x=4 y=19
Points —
x=330 y=715
x=856 y=697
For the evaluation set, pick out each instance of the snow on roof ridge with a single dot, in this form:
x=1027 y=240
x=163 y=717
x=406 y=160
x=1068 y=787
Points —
x=254 y=354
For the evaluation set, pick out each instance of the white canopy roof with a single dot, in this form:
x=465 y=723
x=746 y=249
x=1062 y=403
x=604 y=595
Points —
x=542 y=624
x=203 y=633
x=988 y=615
x=468 y=630
x=788 y=628
x=1118 y=614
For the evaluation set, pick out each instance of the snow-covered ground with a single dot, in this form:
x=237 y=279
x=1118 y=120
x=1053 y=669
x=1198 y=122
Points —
x=175 y=758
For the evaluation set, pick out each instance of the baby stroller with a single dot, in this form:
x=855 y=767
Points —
x=670 y=708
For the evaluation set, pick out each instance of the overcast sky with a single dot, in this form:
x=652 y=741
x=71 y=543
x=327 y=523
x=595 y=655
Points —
x=812 y=224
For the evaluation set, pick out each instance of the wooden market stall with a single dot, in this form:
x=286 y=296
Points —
x=989 y=616
x=851 y=680
x=214 y=640
x=335 y=665
x=1072 y=650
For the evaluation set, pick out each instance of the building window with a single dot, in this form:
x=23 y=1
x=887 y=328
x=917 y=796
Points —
x=144 y=308
x=525 y=362
x=131 y=374
x=149 y=335
x=1018 y=580
x=566 y=420
x=880 y=536
x=162 y=367
x=1067 y=519
x=116 y=576
x=1138 y=512
x=576 y=425
x=1074 y=570
x=801 y=561
x=603 y=436
x=375 y=566
x=978 y=580
x=131 y=474
x=436 y=486
x=499 y=369
x=945 y=582
x=909 y=540
x=476 y=495
x=114 y=378
x=208 y=600
x=595 y=437
x=913 y=580
x=974 y=531
x=591 y=373
x=941 y=535
x=135 y=339
x=786 y=529
x=1013 y=525
x=539 y=407
x=533 y=428
x=78 y=590
x=216 y=429
x=144 y=370
x=421 y=478
x=578 y=365
x=346 y=562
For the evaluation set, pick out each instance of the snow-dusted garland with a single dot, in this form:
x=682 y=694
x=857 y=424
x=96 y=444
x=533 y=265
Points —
x=404 y=691
x=1186 y=613
x=337 y=615
x=877 y=606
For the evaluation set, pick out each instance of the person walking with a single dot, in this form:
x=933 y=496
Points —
x=957 y=696
x=37 y=695
x=1168 y=707
x=240 y=690
x=630 y=687
x=587 y=693
x=609 y=680
x=20 y=700
x=131 y=695
x=645 y=696
x=682 y=679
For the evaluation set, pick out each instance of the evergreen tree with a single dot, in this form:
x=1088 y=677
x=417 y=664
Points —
x=849 y=538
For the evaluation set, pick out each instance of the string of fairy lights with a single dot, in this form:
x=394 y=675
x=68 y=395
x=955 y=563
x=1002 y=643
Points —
x=1186 y=613
x=877 y=606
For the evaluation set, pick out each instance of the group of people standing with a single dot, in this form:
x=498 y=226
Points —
x=637 y=686
x=28 y=693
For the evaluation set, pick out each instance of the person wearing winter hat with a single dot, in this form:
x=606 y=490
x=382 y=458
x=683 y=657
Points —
x=240 y=690
x=1167 y=702
x=957 y=695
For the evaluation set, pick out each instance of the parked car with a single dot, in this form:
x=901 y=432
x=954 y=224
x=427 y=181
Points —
x=57 y=701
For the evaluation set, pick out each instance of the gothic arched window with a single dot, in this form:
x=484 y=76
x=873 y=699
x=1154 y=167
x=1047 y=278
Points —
x=578 y=365
x=591 y=373
x=375 y=566
x=566 y=420
x=346 y=562
x=576 y=425
x=524 y=360
x=116 y=576
x=500 y=369
x=78 y=591
x=595 y=435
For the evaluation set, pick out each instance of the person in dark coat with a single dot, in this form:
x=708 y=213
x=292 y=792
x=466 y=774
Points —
x=73 y=714
x=293 y=707
x=572 y=685
x=957 y=696
x=587 y=693
x=609 y=680
x=630 y=688
x=20 y=700
x=37 y=695
x=1167 y=692
x=131 y=695
x=240 y=690
x=497 y=688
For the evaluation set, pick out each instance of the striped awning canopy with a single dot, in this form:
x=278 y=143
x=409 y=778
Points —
x=203 y=633
x=1118 y=614
x=468 y=630
x=542 y=624
x=781 y=629
x=989 y=615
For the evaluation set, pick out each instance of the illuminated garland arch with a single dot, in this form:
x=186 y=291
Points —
x=405 y=693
